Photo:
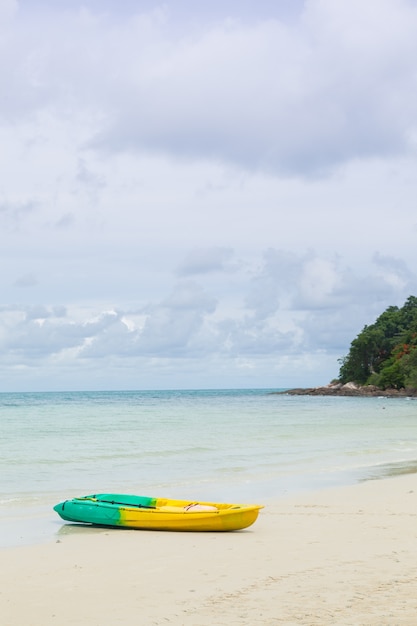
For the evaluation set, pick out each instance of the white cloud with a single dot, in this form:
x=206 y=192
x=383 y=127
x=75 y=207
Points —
x=173 y=326
x=27 y=280
x=298 y=99
x=203 y=261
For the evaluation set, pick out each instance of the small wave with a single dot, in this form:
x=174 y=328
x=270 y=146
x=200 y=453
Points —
x=10 y=500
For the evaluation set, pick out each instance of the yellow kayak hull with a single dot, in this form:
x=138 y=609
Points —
x=142 y=512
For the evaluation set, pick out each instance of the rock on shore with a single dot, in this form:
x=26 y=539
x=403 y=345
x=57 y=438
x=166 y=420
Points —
x=351 y=389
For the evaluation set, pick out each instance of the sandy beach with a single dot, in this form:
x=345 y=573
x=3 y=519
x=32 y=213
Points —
x=345 y=556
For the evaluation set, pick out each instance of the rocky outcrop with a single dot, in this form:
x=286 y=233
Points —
x=351 y=389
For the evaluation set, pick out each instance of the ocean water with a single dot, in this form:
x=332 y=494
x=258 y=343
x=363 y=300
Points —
x=222 y=445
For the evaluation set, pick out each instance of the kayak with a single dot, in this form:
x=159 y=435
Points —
x=142 y=512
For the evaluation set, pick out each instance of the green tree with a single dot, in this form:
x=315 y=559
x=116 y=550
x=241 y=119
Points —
x=385 y=353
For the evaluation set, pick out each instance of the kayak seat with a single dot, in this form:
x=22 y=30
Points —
x=190 y=508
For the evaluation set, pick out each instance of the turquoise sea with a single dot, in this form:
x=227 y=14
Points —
x=224 y=445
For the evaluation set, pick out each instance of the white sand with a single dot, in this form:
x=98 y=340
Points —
x=339 y=557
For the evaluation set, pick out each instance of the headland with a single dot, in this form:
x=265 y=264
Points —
x=351 y=389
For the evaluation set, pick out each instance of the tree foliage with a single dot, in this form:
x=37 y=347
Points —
x=385 y=353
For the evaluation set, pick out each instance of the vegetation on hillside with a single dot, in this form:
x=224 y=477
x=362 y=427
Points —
x=385 y=353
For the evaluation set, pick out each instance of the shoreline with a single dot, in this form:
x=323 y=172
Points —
x=342 y=556
x=349 y=390
x=26 y=526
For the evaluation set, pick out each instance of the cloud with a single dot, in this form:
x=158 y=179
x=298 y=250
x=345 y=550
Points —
x=394 y=272
x=87 y=179
x=169 y=329
x=13 y=214
x=297 y=98
x=39 y=332
x=275 y=97
x=250 y=338
x=204 y=261
x=65 y=221
x=323 y=302
x=174 y=326
x=27 y=280
x=295 y=296
x=304 y=307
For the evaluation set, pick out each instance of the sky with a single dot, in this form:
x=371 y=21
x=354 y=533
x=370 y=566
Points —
x=202 y=195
